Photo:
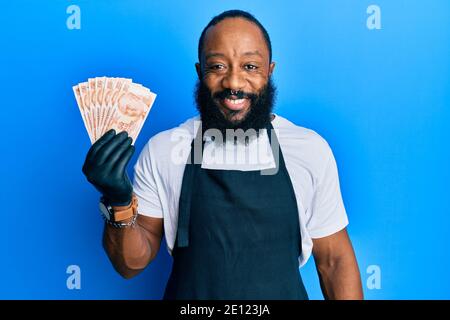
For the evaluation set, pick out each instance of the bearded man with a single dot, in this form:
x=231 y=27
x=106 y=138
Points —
x=235 y=230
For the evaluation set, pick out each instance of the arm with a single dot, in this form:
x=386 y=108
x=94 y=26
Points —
x=337 y=267
x=131 y=249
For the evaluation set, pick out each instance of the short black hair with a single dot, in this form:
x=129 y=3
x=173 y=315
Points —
x=235 y=14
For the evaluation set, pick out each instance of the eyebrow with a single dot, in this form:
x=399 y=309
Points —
x=218 y=54
x=253 y=53
x=214 y=54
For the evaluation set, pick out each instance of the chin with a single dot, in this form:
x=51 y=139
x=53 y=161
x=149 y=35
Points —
x=235 y=116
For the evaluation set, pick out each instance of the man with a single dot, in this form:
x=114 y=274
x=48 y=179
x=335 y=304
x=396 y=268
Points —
x=234 y=232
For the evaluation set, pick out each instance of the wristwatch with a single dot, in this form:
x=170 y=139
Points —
x=116 y=214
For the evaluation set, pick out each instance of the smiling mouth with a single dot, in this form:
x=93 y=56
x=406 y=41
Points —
x=235 y=104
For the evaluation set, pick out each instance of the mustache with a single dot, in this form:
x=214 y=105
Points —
x=228 y=93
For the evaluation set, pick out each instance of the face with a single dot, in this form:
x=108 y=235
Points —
x=235 y=70
x=131 y=105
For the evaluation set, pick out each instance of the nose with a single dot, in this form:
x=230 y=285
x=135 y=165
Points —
x=233 y=80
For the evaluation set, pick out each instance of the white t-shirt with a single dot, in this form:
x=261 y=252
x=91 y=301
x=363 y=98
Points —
x=158 y=176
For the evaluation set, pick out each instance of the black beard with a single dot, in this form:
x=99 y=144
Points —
x=258 y=116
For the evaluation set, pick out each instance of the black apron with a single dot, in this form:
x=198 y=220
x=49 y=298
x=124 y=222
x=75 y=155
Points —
x=238 y=235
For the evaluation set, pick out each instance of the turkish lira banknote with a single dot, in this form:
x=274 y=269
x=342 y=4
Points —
x=113 y=103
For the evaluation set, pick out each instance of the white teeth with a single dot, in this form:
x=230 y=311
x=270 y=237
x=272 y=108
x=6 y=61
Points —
x=236 y=101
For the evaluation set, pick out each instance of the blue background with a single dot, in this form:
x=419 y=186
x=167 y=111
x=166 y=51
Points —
x=379 y=97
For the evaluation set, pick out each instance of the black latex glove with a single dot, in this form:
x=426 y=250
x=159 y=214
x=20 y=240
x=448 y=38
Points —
x=105 y=167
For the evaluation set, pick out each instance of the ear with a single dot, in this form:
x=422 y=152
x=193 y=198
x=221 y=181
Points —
x=199 y=71
x=271 y=67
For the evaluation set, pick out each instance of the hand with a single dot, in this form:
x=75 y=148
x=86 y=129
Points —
x=105 y=167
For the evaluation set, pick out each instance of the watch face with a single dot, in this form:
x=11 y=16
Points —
x=104 y=210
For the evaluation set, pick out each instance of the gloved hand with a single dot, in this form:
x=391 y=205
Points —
x=105 y=167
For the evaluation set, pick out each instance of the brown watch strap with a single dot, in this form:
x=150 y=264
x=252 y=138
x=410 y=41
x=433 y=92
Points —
x=125 y=212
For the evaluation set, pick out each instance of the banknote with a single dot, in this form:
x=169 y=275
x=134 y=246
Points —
x=85 y=113
x=113 y=103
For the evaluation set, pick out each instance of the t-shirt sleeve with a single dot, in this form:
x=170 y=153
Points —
x=144 y=185
x=328 y=212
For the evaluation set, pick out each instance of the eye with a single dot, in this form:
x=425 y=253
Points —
x=250 y=67
x=216 y=66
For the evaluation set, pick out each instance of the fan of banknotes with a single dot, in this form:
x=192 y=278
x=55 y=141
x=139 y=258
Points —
x=113 y=103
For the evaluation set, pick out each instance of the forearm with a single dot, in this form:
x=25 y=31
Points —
x=341 y=280
x=127 y=248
